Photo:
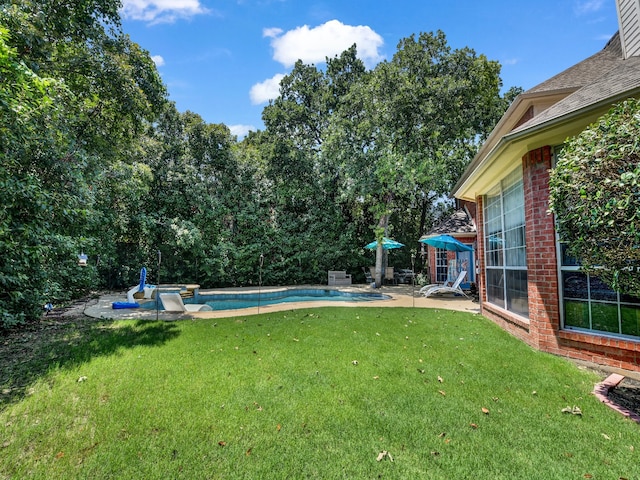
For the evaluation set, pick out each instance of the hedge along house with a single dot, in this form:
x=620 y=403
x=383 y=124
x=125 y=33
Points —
x=526 y=284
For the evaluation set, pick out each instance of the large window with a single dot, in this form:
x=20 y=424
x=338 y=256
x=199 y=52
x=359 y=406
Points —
x=590 y=304
x=505 y=248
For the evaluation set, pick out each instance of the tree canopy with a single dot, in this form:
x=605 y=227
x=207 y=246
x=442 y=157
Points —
x=74 y=95
x=595 y=196
x=95 y=159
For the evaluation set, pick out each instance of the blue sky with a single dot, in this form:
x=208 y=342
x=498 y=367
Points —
x=222 y=59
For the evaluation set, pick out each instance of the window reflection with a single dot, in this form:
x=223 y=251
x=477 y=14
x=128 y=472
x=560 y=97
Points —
x=568 y=260
x=601 y=290
x=589 y=303
x=575 y=285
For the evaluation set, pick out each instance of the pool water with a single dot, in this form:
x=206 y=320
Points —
x=235 y=301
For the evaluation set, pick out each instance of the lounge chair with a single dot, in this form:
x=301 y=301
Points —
x=172 y=302
x=448 y=283
x=455 y=288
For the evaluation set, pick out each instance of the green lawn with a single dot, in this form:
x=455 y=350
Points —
x=317 y=393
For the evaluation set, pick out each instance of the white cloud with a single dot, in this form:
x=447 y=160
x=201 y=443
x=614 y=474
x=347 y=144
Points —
x=161 y=11
x=584 y=7
x=271 y=32
x=510 y=61
x=313 y=45
x=241 y=131
x=158 y=60
x=264 y=91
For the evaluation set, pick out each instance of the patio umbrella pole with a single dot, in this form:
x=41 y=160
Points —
x=260 y=279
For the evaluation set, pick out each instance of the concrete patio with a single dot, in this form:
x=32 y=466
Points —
x=401 y=296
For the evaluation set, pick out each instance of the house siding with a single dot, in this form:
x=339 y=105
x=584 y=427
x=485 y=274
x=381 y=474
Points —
x=629 y=19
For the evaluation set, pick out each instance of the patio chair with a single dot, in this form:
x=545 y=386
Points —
x=172 y=302
x=390 y=276
x=455 y=288
x=448 y=283
x=367 y=276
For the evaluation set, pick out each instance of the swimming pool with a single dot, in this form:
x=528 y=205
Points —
x=235 y=301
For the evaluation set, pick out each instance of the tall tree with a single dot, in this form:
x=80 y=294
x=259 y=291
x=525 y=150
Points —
x=92 y=92
x=415 y=123
x=309 y=185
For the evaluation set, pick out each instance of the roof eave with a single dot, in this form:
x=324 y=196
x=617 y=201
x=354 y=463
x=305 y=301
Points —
x=515 y=111
x=480 y=161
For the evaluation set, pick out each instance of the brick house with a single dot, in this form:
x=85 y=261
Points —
x=527 y=284
x=443 y=264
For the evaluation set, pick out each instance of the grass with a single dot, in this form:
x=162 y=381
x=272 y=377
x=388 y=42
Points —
x=316 y=393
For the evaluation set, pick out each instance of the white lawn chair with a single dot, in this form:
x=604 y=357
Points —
x=172 y=302
x=440 y=289
x=448 y=283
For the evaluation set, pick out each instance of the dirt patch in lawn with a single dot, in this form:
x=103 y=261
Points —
x=627 y=395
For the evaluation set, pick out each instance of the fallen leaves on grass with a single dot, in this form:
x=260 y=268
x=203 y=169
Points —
x=384 y=454
x=442 y=392
x=485 y=411
x=440 y=379
x=222 y=443
x=572 y=410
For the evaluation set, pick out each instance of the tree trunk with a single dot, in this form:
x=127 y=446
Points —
x=382 y=227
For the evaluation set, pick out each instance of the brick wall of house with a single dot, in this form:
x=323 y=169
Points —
x=471 y=208
x=542 y=264
x=542 y=329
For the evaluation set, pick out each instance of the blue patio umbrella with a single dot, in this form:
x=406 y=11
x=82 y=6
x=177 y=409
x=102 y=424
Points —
x=387 y=244
x=447 y=242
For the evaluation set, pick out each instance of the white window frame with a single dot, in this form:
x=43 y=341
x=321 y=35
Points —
x=508 y=259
